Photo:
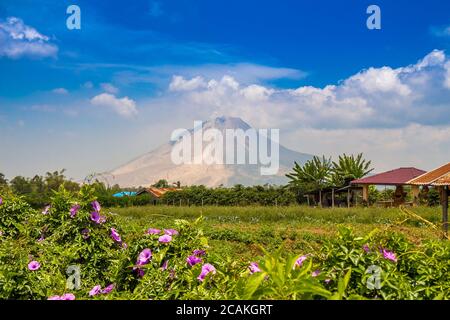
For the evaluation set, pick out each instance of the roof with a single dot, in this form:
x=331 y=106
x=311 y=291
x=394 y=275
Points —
x=400 y=176
x=437 y=177
x=124 y=193
x=157 y=192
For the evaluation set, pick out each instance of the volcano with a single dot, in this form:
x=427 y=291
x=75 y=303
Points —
x=147 y=169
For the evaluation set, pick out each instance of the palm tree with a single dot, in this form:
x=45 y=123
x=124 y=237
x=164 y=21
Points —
x=315 y=174
x=349 y=168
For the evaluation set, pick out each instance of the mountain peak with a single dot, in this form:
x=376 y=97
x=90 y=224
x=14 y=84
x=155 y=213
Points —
x=226 y=122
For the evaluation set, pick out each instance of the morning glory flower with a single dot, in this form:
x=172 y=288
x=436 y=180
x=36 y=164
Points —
x=74 y=210
x=199 y=252
x=164 y=265
x=193 y=260
x=315 y=273
x=102 y=219
x=115 y=235
x=254 y=267
x=140 y=272
x=1 y=233
x=206 y=269
x=165 y=238
x=68 y=296
x=108 y=289
x=95 y=291
x=96 y=206
x=41 y=238
x=389 y=255
x=34 y=265
x=144 y=257
x=171 y=232
x=95 y=216
x=366 y=248
x=1 y=201
x=153 y=231
x=46 y=210
x=300 y=260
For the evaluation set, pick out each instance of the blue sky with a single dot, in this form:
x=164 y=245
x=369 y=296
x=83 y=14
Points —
x=88 y=100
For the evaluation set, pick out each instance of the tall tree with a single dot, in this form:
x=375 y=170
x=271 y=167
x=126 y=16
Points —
x=349 y=168
x=314 y=175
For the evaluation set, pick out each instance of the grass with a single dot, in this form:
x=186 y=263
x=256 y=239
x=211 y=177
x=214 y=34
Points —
x=240 y=231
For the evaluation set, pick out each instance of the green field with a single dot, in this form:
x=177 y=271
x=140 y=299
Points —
x=238 y=231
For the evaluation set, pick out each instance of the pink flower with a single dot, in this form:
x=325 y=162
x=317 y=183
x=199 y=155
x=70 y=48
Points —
x=327 y=281
x=34 y=265
x=46 y=210
x=95 y=291
x=108 y=289
x=165 y=238
x=74 y=210
x=366 y=248
x=1 y=233
x=95 y=216
x=315 y=273
x=153 y=231
x=389 y=255
x=67 y=296
x=96 y=206
x=193 y=260
x=144 y=257
x=254 y=267
x=140 y=272
x=41 y=238
x=115 y=235
x=300 y=260
x=164 y=265
x=124 y=245
x=102 y=219
x=1 y=201
x=171 y=232
x=206 y=269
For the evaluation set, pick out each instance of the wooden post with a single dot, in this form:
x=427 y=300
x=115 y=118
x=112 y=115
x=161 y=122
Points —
x=366 y=193
x=320 y=197
x=415 y=190
x=445 y=195
x=348 y=198
x=332 y=197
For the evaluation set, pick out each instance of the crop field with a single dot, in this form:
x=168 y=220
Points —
x=241 y=231
x=74 y=248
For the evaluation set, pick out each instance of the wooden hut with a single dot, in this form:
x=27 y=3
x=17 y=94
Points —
x=439 y=178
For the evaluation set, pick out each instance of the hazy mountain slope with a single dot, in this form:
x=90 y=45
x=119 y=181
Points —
x=157 y=164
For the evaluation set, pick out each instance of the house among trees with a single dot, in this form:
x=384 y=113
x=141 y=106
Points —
x=155 y=193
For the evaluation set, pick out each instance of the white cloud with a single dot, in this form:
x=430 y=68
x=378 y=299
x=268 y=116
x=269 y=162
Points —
x=441 y=31
x=376 y=97
x=108 y=87
x=20 y=40
x=87 y=85
x=60 y=91
x=125 y=106
x=178 y=83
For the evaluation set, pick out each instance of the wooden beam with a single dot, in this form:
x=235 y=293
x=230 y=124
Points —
x=445 y=194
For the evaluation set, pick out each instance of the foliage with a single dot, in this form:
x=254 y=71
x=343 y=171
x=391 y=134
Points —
x=338 y=269
x=349 y=168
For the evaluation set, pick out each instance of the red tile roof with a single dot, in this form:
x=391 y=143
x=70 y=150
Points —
x=439 y=176
x=393 y=177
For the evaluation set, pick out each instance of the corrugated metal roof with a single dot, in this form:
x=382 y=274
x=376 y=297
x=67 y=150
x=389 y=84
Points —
x=393 y=177
x=157 y=192
x=432 y=177
x=443 y=181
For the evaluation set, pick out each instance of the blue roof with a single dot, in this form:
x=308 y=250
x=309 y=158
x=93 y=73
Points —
x=125 y=193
